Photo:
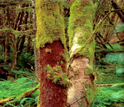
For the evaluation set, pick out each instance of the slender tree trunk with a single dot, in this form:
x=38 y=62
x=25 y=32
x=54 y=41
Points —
x=82 y=48
x=36 y=51
x=51 y=43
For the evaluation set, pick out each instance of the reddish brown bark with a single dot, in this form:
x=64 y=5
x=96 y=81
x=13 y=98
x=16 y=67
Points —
x=51 y=94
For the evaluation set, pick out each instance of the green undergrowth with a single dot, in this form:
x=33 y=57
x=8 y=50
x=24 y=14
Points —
x=111 y=78
x=17 y=87
x=115 y=47
x=20 y=74
x=110 y=96
x=25 y=61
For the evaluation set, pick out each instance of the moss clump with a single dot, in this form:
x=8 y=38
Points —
x=50 y=23
x=88 y=71
x=57 y=75
x=91 y=92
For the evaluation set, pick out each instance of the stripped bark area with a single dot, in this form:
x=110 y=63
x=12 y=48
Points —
x=77 y=71
x=51 y=94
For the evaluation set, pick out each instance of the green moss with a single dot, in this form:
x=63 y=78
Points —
x=91 y=87
x=91 y=92
x=50 y=23
x=65 y=56
x=15 y=32
x=88 y=71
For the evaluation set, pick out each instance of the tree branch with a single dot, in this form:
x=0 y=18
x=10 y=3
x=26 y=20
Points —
x=5 y=3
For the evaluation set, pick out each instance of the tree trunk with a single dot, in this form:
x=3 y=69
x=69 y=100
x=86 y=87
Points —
x=51 y=43
x=36 y=51
x=82 y=48
x=51 y=94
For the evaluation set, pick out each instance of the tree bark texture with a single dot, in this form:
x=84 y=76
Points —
x=51 y=94
x=36 y=51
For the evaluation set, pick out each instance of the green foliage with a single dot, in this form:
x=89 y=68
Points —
x=25 y=61
x=17 y=87
x=120 y=70
x=57 y=75
x=110 y=96
x=16 y=32
x=119 y=28
x=115 y=47
x=61 y=62
x=78 y=101
x=21 y=73
x=110 y=78
x=115 y=58
x=107 y=96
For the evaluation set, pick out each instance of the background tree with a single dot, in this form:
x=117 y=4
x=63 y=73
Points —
x=16 y=36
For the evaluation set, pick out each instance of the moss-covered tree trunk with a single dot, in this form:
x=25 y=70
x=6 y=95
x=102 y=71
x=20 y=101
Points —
x=82 y=45
x=51 y=43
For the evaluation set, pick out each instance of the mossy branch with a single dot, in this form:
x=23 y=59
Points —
x=105 y=85
x=4 y=101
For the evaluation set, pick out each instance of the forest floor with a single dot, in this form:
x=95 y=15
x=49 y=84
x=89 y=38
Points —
x=23 y=91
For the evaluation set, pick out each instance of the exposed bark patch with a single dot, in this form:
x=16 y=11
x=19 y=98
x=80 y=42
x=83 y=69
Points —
x=77 y=71
x=51 y=94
